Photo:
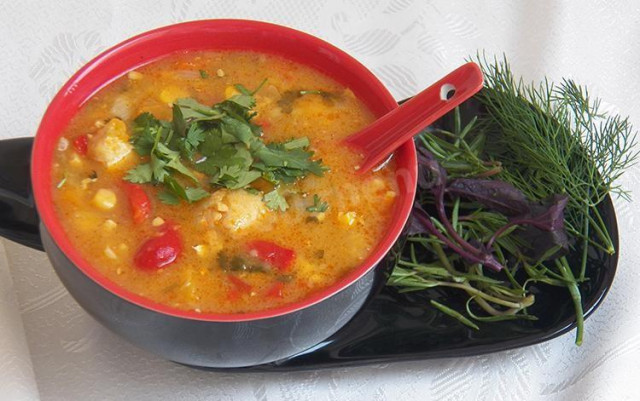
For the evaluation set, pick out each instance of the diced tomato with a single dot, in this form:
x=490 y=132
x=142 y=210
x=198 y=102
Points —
x=275 y=291
x=263 y=123
x=159 y=251
x=81 y=144
x=239 y=284
x=273 y=254
x=139 y=202
x=233 y=294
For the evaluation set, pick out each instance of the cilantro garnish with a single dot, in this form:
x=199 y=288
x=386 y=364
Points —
x=221 y=142
x=318 y=205
x=203 y=74
x=274 y=200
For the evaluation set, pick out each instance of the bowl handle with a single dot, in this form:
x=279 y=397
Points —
x=18 y=216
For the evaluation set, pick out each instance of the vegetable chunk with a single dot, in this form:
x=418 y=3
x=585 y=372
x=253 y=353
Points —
x=234 y=209
x=110 y=145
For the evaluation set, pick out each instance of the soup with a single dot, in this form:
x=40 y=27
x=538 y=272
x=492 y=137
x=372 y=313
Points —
x=217 y=182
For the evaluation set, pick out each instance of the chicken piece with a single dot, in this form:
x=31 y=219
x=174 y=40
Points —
x=111 y=144
x=233 y=209
x=122 y=107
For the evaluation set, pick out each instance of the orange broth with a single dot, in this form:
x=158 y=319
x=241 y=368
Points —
x=92 y=203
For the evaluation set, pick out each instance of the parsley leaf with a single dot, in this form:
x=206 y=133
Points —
x=195 y=194
x=168 y=198
x=203 y=74
x=318 y=205
x=239 y=129
x=192 y=110
x=274 y=200
x=297 y=143
x=141 y=174
x=179 y=125
x=194 y=137
x=145 y=129
x=275 y=155
x=150 y=138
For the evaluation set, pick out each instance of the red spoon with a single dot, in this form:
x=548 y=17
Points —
x=377 y=141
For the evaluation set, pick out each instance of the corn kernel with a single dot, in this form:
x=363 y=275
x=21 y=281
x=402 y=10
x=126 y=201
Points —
x=109 y=224
x=157 y=222
x=220 y=72
x=222 y=207
x=110 y=253
x=230 y=91
x=378 y=184
x=171 y=94
x=134 y=75
x=200 y=249
x=104 y=199
x=321 y=216
x=348 y=218
x=390 y=194
x=75 y=161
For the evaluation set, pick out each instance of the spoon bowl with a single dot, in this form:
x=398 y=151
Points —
x=377 y=141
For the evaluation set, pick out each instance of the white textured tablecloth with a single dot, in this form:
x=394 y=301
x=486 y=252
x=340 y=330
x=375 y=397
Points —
x=51 y=350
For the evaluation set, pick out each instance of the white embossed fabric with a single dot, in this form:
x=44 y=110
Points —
x=63 y=354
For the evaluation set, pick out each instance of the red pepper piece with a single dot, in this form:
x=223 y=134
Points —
x=159 y=251
x=139 y=202
x=273 y=254
x=263 y=123
x=81 y=144
x=239 y=284
x=233 y=294
x=275 y=291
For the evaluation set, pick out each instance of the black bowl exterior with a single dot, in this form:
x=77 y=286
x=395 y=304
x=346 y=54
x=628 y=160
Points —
x=205 y=343
x=19 y=219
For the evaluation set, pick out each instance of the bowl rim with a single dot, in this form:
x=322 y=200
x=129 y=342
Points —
x=46 y=139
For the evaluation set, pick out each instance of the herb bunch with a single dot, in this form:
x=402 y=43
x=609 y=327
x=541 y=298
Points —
x=551 y=144
x=222 y=143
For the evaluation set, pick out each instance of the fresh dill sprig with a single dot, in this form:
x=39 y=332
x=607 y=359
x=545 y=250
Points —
x=555 y=139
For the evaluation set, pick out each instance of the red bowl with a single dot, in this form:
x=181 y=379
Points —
x=324 y=312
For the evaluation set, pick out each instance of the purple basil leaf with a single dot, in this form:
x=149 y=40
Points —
x=416 y=225
x=550 y=215
x=495 y=195
x=540 y=242
x=420 y=222
x=544 y=229
x=430 y=173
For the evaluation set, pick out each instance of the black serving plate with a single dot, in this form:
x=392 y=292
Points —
x=391 y=326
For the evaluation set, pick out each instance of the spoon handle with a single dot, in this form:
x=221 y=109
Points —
x=385 y=135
